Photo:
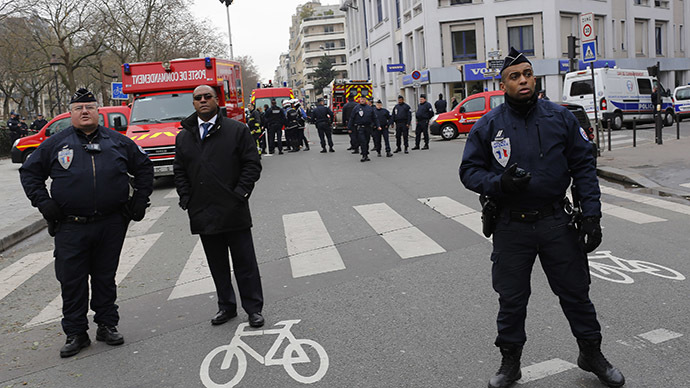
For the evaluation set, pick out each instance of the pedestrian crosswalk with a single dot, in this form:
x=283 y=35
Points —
x=311 y=250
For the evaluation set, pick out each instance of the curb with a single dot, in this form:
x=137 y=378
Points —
x=648 y=185
x=27 y=228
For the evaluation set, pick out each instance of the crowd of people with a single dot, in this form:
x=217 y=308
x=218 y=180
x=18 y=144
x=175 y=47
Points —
x=18 y=128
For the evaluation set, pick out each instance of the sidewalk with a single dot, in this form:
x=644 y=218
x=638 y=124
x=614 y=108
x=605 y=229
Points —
x=19 y=219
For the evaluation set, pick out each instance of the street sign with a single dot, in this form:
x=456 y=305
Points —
x=116 y=91
x=587 y=27
x=416 y=75
x=494 y=54
x=589 y=51
x=416 y=85
x=395 y=68
x=494 y=64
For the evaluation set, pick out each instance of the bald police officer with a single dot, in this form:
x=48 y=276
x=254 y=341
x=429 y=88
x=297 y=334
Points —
x=523 y=155
x=88 y=210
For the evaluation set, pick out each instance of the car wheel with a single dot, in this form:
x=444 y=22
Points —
x=448 y=132
x=668 y=119
x=617 y=122
x=27 y=153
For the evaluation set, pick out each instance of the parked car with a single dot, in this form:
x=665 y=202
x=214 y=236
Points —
x=681 y=102
x=116 y=118
x=461 y=119
x=585 y=123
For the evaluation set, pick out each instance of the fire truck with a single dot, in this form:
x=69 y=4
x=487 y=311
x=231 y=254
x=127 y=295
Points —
x=162 y=94
x=263 y=96
x=341 y=89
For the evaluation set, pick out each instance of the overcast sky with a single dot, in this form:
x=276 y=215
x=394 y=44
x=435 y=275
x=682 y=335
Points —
x=260 y=28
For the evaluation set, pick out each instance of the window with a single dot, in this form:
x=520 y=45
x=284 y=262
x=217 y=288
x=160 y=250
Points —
x=368 y=70
x=580 y=88
x=623 y=35
x=473 y=105
x=111 y=120
x=397 y=14
x=641 y=37
x=328 y=29
x=455 y=2
x=495 y=101
x=329 y=45
x=644 y=85
x=658 y=40
x=400 y=53
x=522 y=38
x=464 y=45
x=379 y=11
x=681 y=39
x=683 y=94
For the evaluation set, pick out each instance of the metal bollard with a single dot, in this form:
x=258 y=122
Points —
x=677 y=129
x=609 y=132
x=634 y=132
x=658 y=132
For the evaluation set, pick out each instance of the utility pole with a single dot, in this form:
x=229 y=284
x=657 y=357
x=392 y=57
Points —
x=227 y=11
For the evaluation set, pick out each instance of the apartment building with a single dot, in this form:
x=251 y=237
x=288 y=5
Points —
x=281 y=74
x=316 y=31
x=448 y=40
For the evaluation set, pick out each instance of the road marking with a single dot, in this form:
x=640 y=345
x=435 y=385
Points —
x=22 y=270
x=143 y=226
x=310 y=247
x=456 y=211
x=403 y=237
x=544 y=369
x=685 y=185
x=195 y=278
x=659 y=335
x=133 y=250
x=628 y=214
x=619 y=142
x=172 y=194
x=672 y=206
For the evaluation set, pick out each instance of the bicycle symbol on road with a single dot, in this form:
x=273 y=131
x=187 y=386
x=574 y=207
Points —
x=294 y=353
x=616 y=273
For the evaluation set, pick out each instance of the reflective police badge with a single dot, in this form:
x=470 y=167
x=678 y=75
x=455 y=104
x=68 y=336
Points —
x=501 y=148
x=65 y=157
x=584 y=134
x=361 y=113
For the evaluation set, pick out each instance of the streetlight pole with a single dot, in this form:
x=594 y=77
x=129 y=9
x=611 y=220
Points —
x=227 y=11
x=54 y=64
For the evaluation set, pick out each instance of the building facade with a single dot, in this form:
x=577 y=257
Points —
x=316 y=31
x=282 y=72
x=448 y=41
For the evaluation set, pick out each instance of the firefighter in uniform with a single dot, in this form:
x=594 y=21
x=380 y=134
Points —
x=275 y=120
x=402 y=117
x=323 y=117
x=523 y=155
x=363 y=121
x=384 y=118
x=88 y=210
x=424 y=113
x=294 y=121
x=254 y=124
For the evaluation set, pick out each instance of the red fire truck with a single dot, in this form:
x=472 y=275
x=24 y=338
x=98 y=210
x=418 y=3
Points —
x=341 y=89
x=162 y=94
x=263 y=96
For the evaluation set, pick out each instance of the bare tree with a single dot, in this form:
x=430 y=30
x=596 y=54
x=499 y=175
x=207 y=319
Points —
x=250 y=75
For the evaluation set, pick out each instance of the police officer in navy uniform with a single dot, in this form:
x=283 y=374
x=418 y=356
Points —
x=275 y=120
x=402 y=117
x=38 y=124
x=88 y=210
x=423 y=114
x=323 y=117
x=523 y=155
x=384 y=118
x=440 y=105
x=14 y=128
x=347 y=114
x=363 y=121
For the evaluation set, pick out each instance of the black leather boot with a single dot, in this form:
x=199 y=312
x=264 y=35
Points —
x=509 y=372
x=110 y=335
x=592 y=360
x=74 y=344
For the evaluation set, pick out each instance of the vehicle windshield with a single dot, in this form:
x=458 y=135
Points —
x=579 y=88
x=683 y=94
x=162 y=108
x=260 y=102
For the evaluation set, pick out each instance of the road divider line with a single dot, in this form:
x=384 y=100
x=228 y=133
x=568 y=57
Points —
x=15 y=274
x=466 y=216
x=143 y=226
x=309 y=245
x=133 y=250
x=685 y=185
x=660 y=203
x=659 y=335
x=407 y=240
x=195 y=278
x=544 y=369
x=629 y=214
x=172 y=194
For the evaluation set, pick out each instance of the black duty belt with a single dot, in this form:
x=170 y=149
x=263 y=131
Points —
x=533 y=215
x=85 y=220
x=363 y=126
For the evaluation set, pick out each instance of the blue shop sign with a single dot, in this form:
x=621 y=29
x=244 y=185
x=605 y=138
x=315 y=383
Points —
x=397 y=67
x=564 y=65
x=475 y=72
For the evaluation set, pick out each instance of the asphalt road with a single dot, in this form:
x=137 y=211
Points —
x=381 y=264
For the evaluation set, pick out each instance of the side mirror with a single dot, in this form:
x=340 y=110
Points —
x=118 y=124
x=462 y=109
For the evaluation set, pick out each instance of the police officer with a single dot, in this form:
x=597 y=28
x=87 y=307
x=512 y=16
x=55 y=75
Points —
x=323 y=117
x=440 y=105
x=39 y=123
x=275 y=120
x=523 y=154
x=254 y=124
x=402 y=117
x=363 y=121
x=384 y=118
x=88 y=210
x=424 y=113
x=14 y=127
x=347 y=114
x=302 y=138
x=294 y=122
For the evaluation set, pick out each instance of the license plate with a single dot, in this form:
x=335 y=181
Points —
x=162 y=170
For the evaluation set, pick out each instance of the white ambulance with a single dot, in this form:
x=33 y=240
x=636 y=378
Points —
x=621 y=95
x=681 y=102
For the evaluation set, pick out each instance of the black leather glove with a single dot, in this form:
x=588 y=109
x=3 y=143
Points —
x=136 y=209
x=514 y=180
x=184 y=201
x=51 y=210
x=590 y=233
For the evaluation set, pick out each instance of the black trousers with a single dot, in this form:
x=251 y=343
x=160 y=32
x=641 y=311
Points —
x=354 y=139
x=401 y=131
x=273 y=132
x=364 y=134
x=421 y=129
x=244 y=264
x=516 y=245
x=83 y=251
x=377 y=139
x=324 y=130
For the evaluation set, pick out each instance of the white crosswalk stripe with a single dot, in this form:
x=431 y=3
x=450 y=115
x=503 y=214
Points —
x=457 y=212
x=152 y=215
x=407 y=240
x=309 y=246
x=22 y=270
x=667 y=205
x=629 y=214
x=195 y=278
x=172 y=194
x=685 y=185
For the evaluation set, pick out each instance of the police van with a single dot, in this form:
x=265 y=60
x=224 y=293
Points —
x=621 y=95
x=681 y=102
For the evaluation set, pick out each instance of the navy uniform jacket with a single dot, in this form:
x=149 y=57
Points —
x=274 y=117
x=91 y=183
x=321 y=114
x=347 y=111
x=440 y=106
x=424 y=112
x=548 y=143
x=383 y=116
x=363 y=115
x=402 y=113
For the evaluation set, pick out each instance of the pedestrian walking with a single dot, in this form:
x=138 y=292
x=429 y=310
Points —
x=347 y=113
x=254 y=124
x=215 y=169
x=14 y=128
x=302 y=138
x=440 y=105
x=88 y=210
x=363 y=121
x=522 y=156
x=275 y=121
x=323 y=117
x=423 y=114
x=38 y=124
x=384 y=119
x=402 y=117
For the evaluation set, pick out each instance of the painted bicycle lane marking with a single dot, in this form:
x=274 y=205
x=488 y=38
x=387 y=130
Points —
x=294 y=353
x=616 y=272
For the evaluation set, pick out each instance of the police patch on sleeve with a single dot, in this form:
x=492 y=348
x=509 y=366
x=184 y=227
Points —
x=501 y=150
x=584 y=134
x=141 y=150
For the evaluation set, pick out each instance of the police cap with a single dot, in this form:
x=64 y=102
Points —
x=83 y=95
x=319 y=100
x=379 y=102
x=422 y=96
x=514 y=57
x=399 y=97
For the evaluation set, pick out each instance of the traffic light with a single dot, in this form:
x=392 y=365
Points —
x=226 y=2
x=573 y=47
x=653 y=70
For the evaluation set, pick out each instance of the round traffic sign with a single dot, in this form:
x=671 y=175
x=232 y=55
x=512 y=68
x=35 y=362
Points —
x=416 y=75
x=587 y=31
